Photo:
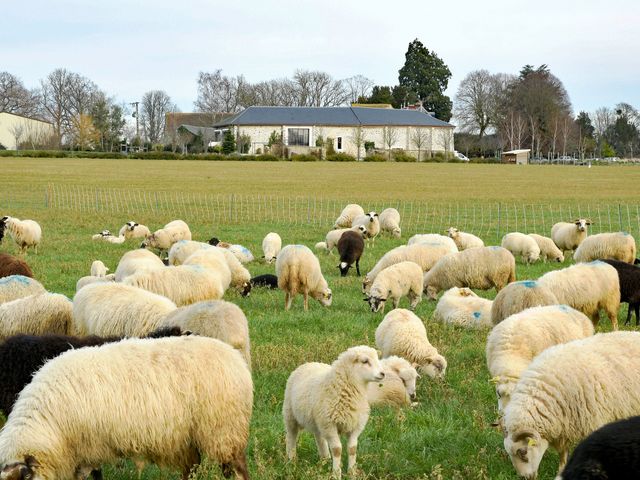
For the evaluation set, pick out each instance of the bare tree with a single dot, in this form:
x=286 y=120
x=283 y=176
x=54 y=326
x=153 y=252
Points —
x=17 y=130
x=446 y=140
x=421 y=138
x=603 y=118
x=473 y=102
x=358 y=86
x=513 y=130
x=220 y=93
x=155 y=105
x=358 y=139
x=15 y=98
x=319 y=89
x=390 y=136
x=55 y=100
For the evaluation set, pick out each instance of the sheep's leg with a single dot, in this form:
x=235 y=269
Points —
x=352 y=448
x=358 y=266
x=564 y=456
x=239 y=467
x=629 y=312
x=637 y=309
x=292 y=435
x=396 y=302
x=336 y=453
x=415 y=300
x=595 y=318
x=613 y=317
x=288 y=298
x=323 y=446
x=306 y=300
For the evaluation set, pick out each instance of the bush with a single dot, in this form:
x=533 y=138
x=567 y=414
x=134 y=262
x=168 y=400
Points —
x=329 y=146
x=341 y=157
x=369 y=146
x=484 y=160
x=376 y=157
x=155 y=156
x=303 y=158
x=403 y=157
x=228 y=143
x=265 y=157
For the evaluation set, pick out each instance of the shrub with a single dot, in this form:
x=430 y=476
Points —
x=376 y=157
x=155 y=156
x=341 y=157
x=329 y=145
x=229 y=143
x=303 y=158
x=369 y=146
x=265 y=157
x=403 y=157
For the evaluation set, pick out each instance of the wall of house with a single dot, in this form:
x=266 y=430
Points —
x=25 y=128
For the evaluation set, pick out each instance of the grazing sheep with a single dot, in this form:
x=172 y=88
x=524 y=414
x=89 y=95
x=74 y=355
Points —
x=568 y=236
x=200 y=408
x=36 y=315
x=171 y=233
x=480 y=267
x=330 y=400
x=402 y=333
x=390 y=222
x=240 y=276
x=181 y=250
x=10 y=265
x=588 y=287
x=463 y=308
x=434 y=238
x=271 y=246
x=298 y=271
x=556 y=406
x=18 y=286
x=397 y=388
x=347 y=216
x=267 y=280
x=25 y=233
x=98 y=269
x=89 y=279
x=136 y=261
x=134 y=230
x=616 y=246
x=521 y=245
x=371 y=222
x=333 y=237
x=629 y=278
x=548 y=249
x=217 y=258
x=242 y=253
x=518 y=296
x=464 y=240
x=350 y=248
x=395 y=282
x=515 y=342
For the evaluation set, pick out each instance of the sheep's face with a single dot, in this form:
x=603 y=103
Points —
x=105 y=233
x=525 y=450
x=409 y=377
x=396 y=232
x=213 y=241
x=432 y=292
x=434 y=367
x=131 y=226
x=325 y=297
x=366 y=364
x=26 y=470
x=560 y=258
x=344 y=268
x=503 y=392
x=245 y=289
x=452 y=232
x=582 y=223
x=363 y=231
x=376 y=303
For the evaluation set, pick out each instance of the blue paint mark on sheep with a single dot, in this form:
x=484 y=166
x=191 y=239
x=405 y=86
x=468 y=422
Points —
x=15 y=278
x=495 y=247
x=477 y=314
x=564 y=308
x=529 y=283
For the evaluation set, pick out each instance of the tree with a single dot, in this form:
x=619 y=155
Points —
x=379 y=94
x=474 y=102
x=420 y=138
x=389 y=138
x=319 y=89
x=623 y=135
x=603 y=118
x=85 y=136
x=17 y=130
x=244 y=143
x=228 y=143
x=155 y=105
x=55 y=100
x=446 y=138
x=358 y=139
x=357 y=86
x=15 y=98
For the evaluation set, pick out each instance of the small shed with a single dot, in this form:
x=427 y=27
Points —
x=519 y=157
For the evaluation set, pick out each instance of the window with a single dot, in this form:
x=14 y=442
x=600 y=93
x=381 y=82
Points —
x=339 y=140
x=299 y=136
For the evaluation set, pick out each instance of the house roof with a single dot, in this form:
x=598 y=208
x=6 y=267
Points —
x=24 y=116
x=516 y=152
x=197 y=130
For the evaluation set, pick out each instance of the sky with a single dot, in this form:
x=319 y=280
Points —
x=130 y=47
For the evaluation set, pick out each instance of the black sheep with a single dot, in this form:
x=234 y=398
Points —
x=268 y=280
x=350 y=248
x=629 y=276
x=10 y=265
x=611 y=452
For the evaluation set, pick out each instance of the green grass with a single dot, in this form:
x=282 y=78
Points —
x=448 y=436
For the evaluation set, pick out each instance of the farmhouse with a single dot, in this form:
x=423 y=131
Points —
x=16 y=130
x=348 y=128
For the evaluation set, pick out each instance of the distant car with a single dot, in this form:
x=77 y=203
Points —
x=460 y=156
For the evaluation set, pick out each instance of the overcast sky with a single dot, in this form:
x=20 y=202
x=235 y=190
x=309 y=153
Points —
x=129 y=47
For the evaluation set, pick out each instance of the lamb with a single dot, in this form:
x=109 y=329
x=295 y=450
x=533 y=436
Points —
x=518 y=296
x=463 y=308
x=629 y=278
x=18 y=286
x=522 y=245
x=98 y=269
x=134 y=230
x=557 y=407
x=25 y=233
x=397 y=388
x=267 y=280
x=201 y=407
x=271 y=246
x=350 y=248
x=390 y=222
x=10 y=265
x=136 y=261
x=106 y=236
x=298 y=271
x=395 y=282
x=587 y=287
x=371 y=222
x=514 y=343
x=333 y=237
x=548 y=249
x=223 y=261
x=329 y=400
x=349 y=212
x=102 y=235
x=434 y=238
x=402 y=333
x=568 y=236
x=89 y=279
x=479 y=267
x=617 y=246
x=181 y=250
x=464 y=240
x=171 y=233
x=36 y=314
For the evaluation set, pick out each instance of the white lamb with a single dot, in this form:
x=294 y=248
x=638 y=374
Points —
x=36 y=315
x=333 y=237
x=521 y=245
x=89 y=279
x=548 y=249
x=349 y=212
x=611 y=246
x=434 y=238
x=463 y=308
x=397 y=388
x=298 y=271
x=464 y=240
x=568 y=236
x=181 y=250
x=25 y=233
x=18 y=286
x=171 y=233
x=136 y=261
x=134 y=230
x=329 y=401
x=98 y=269
x=371 y=222
x=395 y=282
x=390 y=222
x=271 y=246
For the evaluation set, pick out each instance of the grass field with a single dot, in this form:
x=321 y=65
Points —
x=448 y=436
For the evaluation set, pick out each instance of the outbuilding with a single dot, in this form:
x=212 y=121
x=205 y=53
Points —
x=519 y=157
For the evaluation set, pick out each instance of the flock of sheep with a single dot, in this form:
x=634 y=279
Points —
x=149 y=362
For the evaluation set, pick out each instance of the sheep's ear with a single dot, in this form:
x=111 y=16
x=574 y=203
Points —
x=31 y=461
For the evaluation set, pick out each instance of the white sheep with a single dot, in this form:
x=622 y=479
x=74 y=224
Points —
x=25 y=233
x=329 y=401
x=240 y=276
x=390 y=222
x=515 y=342
x=181 y=250
x=136 y=261
x=612 y=246
x=36 y=315
x=98 y=269
x=171 y=233
x=333 y=237
x=89 y=279
x=518 y=296
x=402 y=333
x=171 y=401
x=101 y=236
x=134 y=230
x=371 y=222
x=463 y=308
x=271 y=246
x=521 y=245
x=480 y=267
x=349 y=212
x=434 y=238
x=393 y=283
x=568 y=236
x=548 y=249
x=397 y=388
x=18 y=286
x=298 y=271
x=464 y=240
x=567 y=392
x=588 y=287
x=222 y=261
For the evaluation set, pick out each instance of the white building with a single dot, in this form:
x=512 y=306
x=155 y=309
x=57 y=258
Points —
x=16 y=129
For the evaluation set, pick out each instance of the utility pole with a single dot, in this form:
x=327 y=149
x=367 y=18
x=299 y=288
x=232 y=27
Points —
x=135 y=115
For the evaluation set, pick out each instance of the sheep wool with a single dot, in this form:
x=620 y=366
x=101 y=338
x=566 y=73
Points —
x=10 y=265
x=135 y=261
x=464 y=240
x=521 y=245
x=89 y=279
x=370 y=221
x=548 y=250
x=518 y=296
x=463 y=308
x=612 y=246
x=271 y=246
x=36 y=314
x=18 y=286
x=181 y=250
x=333 y=237
x=298 y=271
x=568 y=236
x=242 y=253
x=240 y=276
x=434 y=238
x=171 y=233
x=98 y=269
x=397 y=388
x=132 y=230
x=395 y=282
x=390 y=222
x=25 y=233
x=349 y=212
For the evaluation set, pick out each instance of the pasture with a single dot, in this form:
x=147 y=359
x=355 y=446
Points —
x=448 y=435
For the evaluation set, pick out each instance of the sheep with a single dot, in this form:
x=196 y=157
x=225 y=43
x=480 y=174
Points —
x=2 y=227
x=629 y=278
x=134 y=230
x=181 y=250
x=350 y=248
x=298 y=271
x=101 y=236
x=271 y=246
x=464 y=240
x=349 y=212
x=171 y=233
x=371 y=222
x=556 y=406
x=226 y=264
x=521 y=245
x=397 y=388
x=402 y=333
x=587 y=287
x=390 y=222
x=200 y=407
x=434 y=238
x=518 y=296
x=463 y=308
x=98 y=269
x=333 y=237
x=216 y=319
x=25 y=233
x=10 y=265
x=240 y=276
x=242 y=253
x=116 y=309
x=89 y=279
x=18 y=286
x=267 y=280
x=617 y=246
x=479 y=267
x=548 y=249
x=568 y=236
x=515 y=342
x=330 y=400
x=36 y=314
x=395 y=282
x=136 y=261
